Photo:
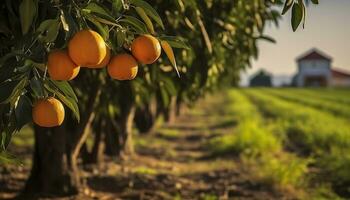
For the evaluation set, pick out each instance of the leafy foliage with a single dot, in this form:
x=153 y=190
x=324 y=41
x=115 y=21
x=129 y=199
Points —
x=205 y=44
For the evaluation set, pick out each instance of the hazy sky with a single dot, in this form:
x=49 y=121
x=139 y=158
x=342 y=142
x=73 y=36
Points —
x=327 y=28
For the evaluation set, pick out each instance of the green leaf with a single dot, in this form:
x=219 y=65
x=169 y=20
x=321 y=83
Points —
x=102 y=29
x=23 y=112
x=37 y=88
x=314 y=1
x=301 y=3
x=267 y=38
x=136 y=24
x=48 y=30
x=141 y=12
x=18 y=91
x=169 y=86
x=287 y=5
x=9 y=130
x=150 y=11
x=68 y=101
x=297 y=16
x=121 y=35
x=176 y=42
x=95 y=8
x=6 y=158
x=6 y=90
x=64 y=87
x=117 y=6
x=27 y=13
x=70 y=25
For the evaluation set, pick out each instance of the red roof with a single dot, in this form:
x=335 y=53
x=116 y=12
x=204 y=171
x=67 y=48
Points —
x=314 y=54
x=340 y=73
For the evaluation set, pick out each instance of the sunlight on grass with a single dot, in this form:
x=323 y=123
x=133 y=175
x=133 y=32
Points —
x=169 y=133
x=145 y=170
x=250 y=136
x=284 y=172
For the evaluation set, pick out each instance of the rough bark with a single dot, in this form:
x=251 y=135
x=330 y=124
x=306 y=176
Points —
x=50 y=174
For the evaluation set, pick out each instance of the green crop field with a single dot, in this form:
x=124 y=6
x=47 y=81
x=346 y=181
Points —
x=292 y=138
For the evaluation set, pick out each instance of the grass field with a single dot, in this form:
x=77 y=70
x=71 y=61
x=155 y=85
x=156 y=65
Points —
x=293 y=139
x=252 y=143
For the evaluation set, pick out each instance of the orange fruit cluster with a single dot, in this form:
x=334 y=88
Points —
x=88 y=49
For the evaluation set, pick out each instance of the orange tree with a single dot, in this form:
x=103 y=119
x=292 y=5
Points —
x=41 y=38
x=223 y=37
x=44 y=45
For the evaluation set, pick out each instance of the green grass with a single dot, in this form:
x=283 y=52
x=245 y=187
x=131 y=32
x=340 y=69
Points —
x=250 y=136
x=169 y=133
x=331 y=94
x=308 y=128
x=283 y=172
x=145 y=170
x=291 y=139
x=314 y=101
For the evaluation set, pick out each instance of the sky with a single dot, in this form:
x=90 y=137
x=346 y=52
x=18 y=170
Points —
x=327 y=28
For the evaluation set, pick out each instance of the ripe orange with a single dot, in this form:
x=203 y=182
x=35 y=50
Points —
x=61 y=67
x=48 y=112
x=104 y=62
x=87 y=48
x=146 y=49
x=123 y=67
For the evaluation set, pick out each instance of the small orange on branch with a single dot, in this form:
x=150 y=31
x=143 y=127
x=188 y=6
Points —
x=122 y=67
x=48 y=112
x=61 y=67
x=146 y=49
x=87 y=48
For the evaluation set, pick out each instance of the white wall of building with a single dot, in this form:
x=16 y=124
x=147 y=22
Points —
x=313 y=68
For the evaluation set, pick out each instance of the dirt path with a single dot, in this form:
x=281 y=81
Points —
x=173 y=162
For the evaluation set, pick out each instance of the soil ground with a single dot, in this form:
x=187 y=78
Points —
x=172 y=162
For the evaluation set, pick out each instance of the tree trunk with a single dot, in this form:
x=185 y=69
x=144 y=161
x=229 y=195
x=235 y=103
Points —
x=80 y=135
x=98 y=148
x=125 y=121
x=125 y=139
x=55 y=169
x=170 y=111
x=145 y=117
x=95 y=156
x=112 y=138
x=178 y=106
x=50 y=174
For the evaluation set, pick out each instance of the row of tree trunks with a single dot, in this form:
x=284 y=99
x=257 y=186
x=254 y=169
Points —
x=55 y=170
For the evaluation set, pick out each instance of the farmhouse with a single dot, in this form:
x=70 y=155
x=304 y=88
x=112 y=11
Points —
x=314 y=69
x=261 y=79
